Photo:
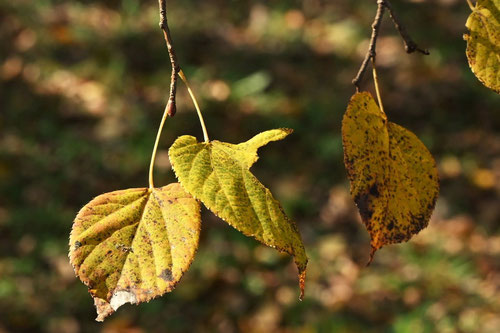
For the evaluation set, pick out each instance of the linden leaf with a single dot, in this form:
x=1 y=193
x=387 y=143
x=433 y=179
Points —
x=133 y=245
x=394 y=180
x=483 y=43
x=217 y=173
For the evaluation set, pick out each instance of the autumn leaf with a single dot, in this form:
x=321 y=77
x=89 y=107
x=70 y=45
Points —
x=133 y=245
x=217 y=173
x=394 y=180
x=483 y=42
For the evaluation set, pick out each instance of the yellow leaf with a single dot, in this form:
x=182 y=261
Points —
x=217 y=173
x=133 y=245
x=483 y=43
x=394 y=180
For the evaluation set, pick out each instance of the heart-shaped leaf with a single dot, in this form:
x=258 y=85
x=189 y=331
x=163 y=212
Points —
x=217 y=173
x=483 y=43
x=394 y=180
x=133 y=245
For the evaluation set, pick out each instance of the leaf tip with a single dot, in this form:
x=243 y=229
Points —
x=103 y=308
x=302 y=284
x=374 y=248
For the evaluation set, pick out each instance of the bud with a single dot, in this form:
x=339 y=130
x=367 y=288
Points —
x=171 y=108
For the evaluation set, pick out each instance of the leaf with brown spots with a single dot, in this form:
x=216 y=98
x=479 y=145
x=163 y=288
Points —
x=394 y=180
x=217 y=173
x=133 y=245
x=483 y=42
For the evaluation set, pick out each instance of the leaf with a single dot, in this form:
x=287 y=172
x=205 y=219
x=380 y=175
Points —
x=394 y=180
x=133 y=245
x=483 y=43
x=217 y=173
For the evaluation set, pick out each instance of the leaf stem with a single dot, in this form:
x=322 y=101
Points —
x=471 y=5
x=377 y=88
x=195 y=102
x=155 y=148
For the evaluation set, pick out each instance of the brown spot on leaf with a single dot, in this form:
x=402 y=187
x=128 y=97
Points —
x=390 y=226
x=374 y=190
x=166 y=275
x=363 y=203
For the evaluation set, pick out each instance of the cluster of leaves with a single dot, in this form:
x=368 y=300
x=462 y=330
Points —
x=394 y=179
x=133 y=245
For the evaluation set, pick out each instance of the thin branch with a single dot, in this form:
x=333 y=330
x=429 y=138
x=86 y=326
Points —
x=410 y=45
x=171 y=107
x=176 y=71
x=371 y=54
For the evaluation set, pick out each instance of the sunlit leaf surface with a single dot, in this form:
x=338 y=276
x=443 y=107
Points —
x=394 y=180
x=217 y=173
x=483 y=43
x=133 y=245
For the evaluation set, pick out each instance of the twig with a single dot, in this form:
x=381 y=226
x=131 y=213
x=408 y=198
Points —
x=371 y=54
x=170 y=109
x=176 y=70
x=410 y=45
x=171 y=106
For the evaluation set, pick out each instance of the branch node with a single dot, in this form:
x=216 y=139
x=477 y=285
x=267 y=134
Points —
x=410 y=45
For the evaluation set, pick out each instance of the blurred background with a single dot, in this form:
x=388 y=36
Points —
x=82 y=88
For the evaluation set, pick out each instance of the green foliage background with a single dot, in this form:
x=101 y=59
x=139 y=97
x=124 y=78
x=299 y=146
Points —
x=82 y=88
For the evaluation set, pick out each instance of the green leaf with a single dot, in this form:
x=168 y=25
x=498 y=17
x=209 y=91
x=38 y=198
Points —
x=217 y=173
x=133 y=245
x=394 y=179
x=483 y=43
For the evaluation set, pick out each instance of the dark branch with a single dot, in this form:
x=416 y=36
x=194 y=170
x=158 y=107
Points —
x=410 y=45
x=371 y=54
x=171 y=106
